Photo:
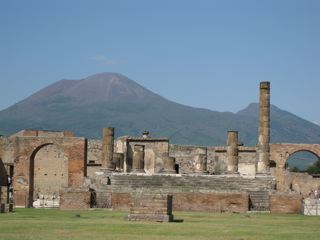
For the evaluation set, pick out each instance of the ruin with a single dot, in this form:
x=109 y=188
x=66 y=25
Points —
x=48 y=169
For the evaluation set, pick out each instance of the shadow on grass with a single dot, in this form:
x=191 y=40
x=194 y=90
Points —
x=177 y=220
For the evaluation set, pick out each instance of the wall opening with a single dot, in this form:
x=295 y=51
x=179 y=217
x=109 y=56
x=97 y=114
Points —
x=48 y=176
x=301 y=161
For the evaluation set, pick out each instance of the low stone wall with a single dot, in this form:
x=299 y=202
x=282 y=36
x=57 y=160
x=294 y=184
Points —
x=215 y=202
x=285 y=203
x=73 y=200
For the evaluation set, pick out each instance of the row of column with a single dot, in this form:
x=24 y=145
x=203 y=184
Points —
x=201 y=159
x=111 y=161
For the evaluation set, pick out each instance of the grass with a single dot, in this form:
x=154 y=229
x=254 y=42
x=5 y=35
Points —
x=101 y=224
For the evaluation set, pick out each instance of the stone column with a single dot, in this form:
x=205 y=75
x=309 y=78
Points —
x=264 y=128
x=201 y=161
x=138 y=159
x=169 y=164
x=232 y=152
x=107 y=149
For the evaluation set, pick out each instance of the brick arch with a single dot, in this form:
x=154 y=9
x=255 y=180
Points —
x=54 y=172
x=280 y=153
x=74 y=149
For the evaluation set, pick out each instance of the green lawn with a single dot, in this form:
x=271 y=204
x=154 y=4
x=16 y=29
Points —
x=91 y=225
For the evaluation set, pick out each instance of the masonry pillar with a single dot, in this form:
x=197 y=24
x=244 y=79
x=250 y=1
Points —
x=201 y=161
x=107 y=149
x=232 y=152
x=138 y=159
x=118 y=161
x=169 y=164
x=264 y=128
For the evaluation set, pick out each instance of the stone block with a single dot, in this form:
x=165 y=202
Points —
x=151 y=207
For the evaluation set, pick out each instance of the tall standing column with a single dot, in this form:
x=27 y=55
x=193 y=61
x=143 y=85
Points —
x=264 y=128
x=138 y=159
x=232 y=152
x=107 y=149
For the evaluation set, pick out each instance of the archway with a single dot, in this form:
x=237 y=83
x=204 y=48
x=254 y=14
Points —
x=280 y=153
x=48 y=174
x=300 y=161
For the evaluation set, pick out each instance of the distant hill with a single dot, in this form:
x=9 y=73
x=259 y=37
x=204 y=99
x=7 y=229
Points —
x=108 y=99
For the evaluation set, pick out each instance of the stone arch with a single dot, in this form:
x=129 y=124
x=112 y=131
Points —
x=303 y=150
x=299 y=151
x=280 y=153
x=74 y=149
x=48 y=172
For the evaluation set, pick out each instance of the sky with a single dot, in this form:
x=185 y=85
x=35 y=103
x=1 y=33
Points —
x=202 y=53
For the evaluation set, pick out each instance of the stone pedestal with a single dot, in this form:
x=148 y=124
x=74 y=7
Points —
x=264 y=129
x=107 y=149
x=138 y=159
x=151 y=207
x=232 y=152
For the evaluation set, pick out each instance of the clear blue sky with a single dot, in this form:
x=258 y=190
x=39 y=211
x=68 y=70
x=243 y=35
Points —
x=209 y=54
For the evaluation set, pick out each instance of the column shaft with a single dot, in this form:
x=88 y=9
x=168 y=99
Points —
x=264 y=128
x=232 y=151
x=107 y=149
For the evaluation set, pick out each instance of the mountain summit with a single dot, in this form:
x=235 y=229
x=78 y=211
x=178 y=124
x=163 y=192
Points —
x=103 y=87
x=87 y=105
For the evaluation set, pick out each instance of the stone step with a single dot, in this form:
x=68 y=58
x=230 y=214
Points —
x=259 y=201
x=189 y=183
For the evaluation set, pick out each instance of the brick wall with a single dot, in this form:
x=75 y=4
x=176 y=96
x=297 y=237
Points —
x=216 y=202
x=75 y=200
x=285 y=203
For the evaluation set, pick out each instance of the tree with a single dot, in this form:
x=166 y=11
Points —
x=315 y=168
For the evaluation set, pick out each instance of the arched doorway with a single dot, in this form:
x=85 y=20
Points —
x=48 y=175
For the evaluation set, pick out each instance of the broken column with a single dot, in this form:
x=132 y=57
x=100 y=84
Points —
x=138 y=159
x=264 y=128
x=201 y=161
x=107 y=149
x=232 y=152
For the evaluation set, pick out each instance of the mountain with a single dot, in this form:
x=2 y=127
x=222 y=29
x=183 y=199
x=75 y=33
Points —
x=108 y=99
